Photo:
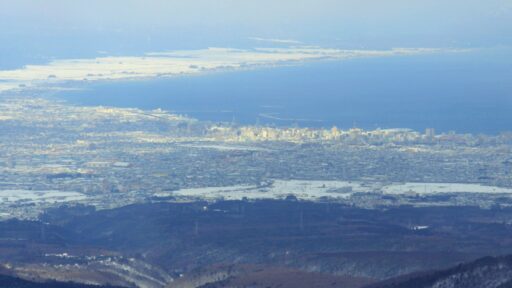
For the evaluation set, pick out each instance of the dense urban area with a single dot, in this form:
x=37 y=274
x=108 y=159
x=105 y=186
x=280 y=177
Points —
x=54 y=153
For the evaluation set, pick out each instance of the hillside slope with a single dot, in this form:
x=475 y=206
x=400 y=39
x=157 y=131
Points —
x=488 y=272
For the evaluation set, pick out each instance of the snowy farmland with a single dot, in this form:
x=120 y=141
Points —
x=303 y=189
x=439 y=188
x=314 y=190
x=31 y=196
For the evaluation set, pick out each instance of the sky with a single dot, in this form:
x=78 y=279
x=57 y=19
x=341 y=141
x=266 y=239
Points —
x=36 y=31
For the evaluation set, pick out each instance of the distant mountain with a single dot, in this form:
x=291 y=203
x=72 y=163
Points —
x=488 y=272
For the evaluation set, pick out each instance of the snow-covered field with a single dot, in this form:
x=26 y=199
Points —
x=313 y=190
x=175 y=63
x=303 y=189
x=436 y=188
x=31 y=196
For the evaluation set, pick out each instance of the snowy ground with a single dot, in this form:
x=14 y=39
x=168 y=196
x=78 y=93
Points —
x=175 y=63
x=313 y=190
x=303 y=189
x=30 y=196
x=436 y=188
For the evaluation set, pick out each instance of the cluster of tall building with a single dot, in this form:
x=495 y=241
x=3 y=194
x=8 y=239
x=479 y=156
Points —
x=291 y=134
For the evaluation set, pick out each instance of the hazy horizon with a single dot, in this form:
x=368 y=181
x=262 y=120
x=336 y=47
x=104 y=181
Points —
x=37 y=31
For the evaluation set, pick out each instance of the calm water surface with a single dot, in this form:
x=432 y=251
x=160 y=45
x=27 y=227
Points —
x=464 y=92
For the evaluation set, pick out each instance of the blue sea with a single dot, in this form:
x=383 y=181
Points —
x=469 y=92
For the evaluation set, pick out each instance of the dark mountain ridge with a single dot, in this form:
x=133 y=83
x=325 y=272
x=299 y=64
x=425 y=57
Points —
x=7 y=281
x=487 y=272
